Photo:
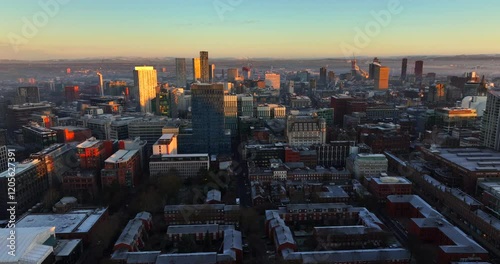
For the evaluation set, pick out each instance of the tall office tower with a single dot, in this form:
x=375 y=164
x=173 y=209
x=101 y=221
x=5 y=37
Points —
x=231 y=114
x=29 y=94
x=180 y=72
x=101 y=84
x=419 y=69
x=404 y=68
x=71 y=93
x=209 y=133
x=245 y=105
x=273 y=80
x=211 y=73
x=371 y=69
x=331 y=76
x=232 y=74
x=490 y=128
x=322 y=75
x=196 y=69
x=145 y=81
x=381 y=77
x=205 y=78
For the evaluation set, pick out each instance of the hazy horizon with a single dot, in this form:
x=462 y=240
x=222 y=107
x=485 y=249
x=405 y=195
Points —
x=71 y=29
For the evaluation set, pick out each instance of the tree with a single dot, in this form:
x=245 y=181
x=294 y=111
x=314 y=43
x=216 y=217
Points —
x=187 y=244
x=169 y=184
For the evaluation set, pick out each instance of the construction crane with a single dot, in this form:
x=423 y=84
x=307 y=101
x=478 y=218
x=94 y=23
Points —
x=356 y=70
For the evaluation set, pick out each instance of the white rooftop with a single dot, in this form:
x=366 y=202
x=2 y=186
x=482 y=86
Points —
x=80 y=221
x=121 y=155
x=29 y=245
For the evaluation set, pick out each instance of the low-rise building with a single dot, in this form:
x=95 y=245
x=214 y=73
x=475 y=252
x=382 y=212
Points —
x=187 y=165
x=381 y=187
x=135 y=232
x=367 y=165
x=430 y=226
x=202 y=214
x=123 y=167
x=78 y=223
x=30 y=184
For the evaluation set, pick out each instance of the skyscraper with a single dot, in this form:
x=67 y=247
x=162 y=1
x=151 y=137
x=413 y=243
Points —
x=404 y=68
x=101 y=84
x=419 y=69
x=28 y=94
x=211 y=73
x=371 y=69
x=209 y=132
x=180 y=72
x=196 y=69
x=231 y=114
x=322 y=75
x=381 y=77
x=232 y=74
x=145 y=82
x=205 y=71
x=273 y=80
x=490 y=127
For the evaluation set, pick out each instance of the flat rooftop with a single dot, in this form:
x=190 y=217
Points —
x=75 y=221
x=471 y=159
x=180 y=157
x=121 y=156
x=432 y=219
x=491 y=186
x=21 y=167
x=391 y=180
x=91 y=142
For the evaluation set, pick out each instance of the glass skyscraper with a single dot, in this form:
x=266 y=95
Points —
x=209 y=131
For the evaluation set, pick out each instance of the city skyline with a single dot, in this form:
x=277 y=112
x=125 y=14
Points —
x=65 y=30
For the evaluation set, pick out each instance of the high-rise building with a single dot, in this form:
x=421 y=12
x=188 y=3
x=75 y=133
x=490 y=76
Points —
x=490 y=128
x=205 y=71
x=209 y=132
x=245 y=105
x=211 y=73
x=381 y=77
x=101 y=84
x=196 y=69
x=145 y=81
x=404 y=68
x=419 y=69
x=322 y=76
x=371 y=69
x=29 y=94
x=231 y=113
x=232 y=74
x=273 y=80
x=71 y=93
x=331 y=76
x=339 y=104
x=180 y=72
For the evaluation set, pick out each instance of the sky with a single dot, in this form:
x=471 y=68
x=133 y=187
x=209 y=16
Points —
x=67 y=29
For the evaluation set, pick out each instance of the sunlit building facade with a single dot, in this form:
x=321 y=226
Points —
x=145 y=81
